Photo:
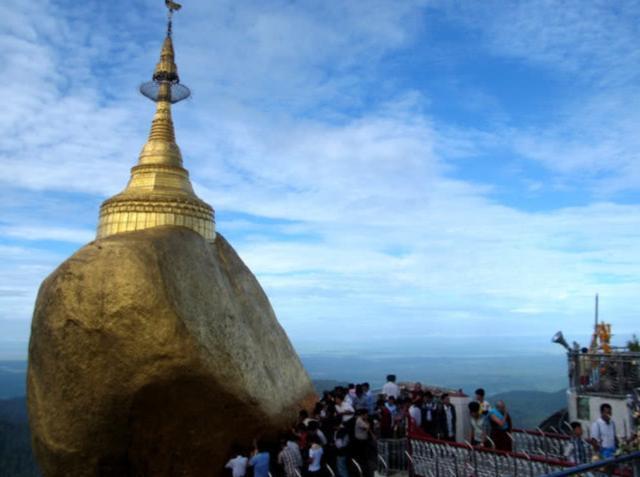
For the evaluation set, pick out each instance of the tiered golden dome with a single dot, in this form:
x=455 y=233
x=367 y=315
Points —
x=159 y=191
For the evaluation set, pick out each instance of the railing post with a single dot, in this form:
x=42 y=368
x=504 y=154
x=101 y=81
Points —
x=385 y=466
x=410 y=468
x=355 y=462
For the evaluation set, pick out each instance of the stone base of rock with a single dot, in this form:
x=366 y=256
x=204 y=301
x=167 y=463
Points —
x=151 y=353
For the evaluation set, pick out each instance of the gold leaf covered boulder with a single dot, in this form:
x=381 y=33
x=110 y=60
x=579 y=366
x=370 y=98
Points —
x=151 y=353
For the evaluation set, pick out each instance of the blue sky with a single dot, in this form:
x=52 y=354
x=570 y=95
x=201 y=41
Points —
x=391 y=171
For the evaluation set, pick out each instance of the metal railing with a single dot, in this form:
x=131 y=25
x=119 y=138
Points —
x=534 y=454
x=439 y=459
x=616 y=373
x=392 y=455
x=543 y=444
x=626 y=465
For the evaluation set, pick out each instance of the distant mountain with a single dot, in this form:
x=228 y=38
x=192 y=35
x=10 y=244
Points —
x=529 y=408
x=542 y=373
x=495 y=374
x=322 y=385
x=16 y=457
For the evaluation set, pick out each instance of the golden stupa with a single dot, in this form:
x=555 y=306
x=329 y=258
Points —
x=154 y=352
x=159 y=191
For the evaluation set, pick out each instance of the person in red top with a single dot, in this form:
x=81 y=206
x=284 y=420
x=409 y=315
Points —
x=300 y=432
x=416 y=391
x=386 y=420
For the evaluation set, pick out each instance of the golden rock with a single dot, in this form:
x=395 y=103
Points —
x=154 y=349
x=151 y=353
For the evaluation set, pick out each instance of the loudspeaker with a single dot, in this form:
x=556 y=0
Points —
x=558 y=338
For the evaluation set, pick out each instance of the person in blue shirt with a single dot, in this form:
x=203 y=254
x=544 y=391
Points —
x=315 y=457
x=260 y=461
x=368 y=398
x=500 y=421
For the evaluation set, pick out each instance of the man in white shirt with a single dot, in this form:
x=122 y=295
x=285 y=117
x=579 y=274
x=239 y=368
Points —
x=238 y=464
x=362 y=426
x=313 y=429
x=343 y=408
x=603 y=433
x=391 y=389
x=479 y=425
x=415 y=411
x=351 y=394
x=315 y=457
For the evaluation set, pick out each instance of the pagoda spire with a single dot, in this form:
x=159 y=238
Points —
x=159 y=191
x=161 y=147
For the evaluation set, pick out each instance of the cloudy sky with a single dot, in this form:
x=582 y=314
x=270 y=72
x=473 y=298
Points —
x=392 y=171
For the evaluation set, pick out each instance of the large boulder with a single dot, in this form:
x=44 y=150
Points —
x=151 y=353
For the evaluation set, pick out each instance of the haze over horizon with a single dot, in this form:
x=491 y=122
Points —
x=412 y=176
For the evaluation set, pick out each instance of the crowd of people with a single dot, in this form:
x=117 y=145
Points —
x=342 y=429
x=343 y=426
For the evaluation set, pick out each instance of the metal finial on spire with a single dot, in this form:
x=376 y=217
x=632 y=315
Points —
x=165 y=84
x=173 y=7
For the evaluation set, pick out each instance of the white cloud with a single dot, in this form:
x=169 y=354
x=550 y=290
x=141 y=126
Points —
x=352 y=213
x=21 y=271
x=398 y=237
x=63 y=234
x=594 y=42
x=595 y=146
x=285 y=56
x=588 y=136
